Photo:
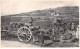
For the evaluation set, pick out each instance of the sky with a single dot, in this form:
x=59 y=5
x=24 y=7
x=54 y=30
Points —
x=9 y=7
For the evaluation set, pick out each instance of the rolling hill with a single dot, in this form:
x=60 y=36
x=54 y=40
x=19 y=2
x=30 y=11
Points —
x=72 y=11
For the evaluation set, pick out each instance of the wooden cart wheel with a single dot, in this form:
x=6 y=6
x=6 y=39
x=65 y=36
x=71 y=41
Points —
x=24 y=34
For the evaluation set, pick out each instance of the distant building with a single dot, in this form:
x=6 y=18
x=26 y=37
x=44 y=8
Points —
x=55 y=14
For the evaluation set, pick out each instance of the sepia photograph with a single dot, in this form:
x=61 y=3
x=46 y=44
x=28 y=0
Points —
x=39 y=23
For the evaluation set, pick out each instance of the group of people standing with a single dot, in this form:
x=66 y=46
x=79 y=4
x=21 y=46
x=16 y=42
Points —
x=62 y=27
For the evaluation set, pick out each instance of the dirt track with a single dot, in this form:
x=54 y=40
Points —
x=5 y=43
x=14 y=42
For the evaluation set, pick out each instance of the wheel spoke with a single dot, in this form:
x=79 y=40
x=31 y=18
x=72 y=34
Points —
x=25 y=29
x=21 y=37
x=22 y=29
x=28 y=34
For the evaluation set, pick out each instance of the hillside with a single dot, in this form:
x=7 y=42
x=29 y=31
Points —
x=72 y=11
